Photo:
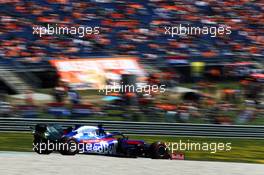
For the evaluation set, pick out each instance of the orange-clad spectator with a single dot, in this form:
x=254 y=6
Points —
x=116 y=20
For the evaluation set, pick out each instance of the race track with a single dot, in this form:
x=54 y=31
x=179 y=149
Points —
x=19 y=163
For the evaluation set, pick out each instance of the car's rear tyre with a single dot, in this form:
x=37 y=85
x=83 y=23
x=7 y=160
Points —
x=40 y=143
x=41 y=147
x=68 y=147
x=40 y=128
x=158 y=150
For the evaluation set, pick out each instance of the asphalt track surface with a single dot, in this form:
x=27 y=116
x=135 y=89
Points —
x=19 y=163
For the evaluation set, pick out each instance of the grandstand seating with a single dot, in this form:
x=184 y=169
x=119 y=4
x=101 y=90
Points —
x=146 y=39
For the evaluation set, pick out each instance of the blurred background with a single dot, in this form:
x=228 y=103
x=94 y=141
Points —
x=207 y=80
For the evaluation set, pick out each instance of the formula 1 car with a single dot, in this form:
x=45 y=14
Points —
x=93 y=140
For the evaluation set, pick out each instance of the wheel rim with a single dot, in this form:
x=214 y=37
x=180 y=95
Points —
x=161 y=150
x=70 y=144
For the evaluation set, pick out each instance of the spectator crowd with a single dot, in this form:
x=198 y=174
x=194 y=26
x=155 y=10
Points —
x=131 y=28
x=137 y=28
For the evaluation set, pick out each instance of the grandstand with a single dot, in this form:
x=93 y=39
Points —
x=137 y=29
x=131 y=28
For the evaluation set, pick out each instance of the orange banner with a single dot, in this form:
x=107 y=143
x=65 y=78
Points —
x=94 y=73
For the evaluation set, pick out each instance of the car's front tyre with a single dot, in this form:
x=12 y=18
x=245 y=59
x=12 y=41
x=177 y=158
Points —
x=158 y=150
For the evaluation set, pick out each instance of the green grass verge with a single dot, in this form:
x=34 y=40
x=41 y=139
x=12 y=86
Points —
x=15 y=141
x=243 y=150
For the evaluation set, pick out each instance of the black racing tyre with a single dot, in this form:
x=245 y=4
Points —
x=158 y=150
x=41 y=147
x=40 y=128
x=68 y=146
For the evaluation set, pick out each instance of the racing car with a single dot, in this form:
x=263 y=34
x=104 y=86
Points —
x=93 y=140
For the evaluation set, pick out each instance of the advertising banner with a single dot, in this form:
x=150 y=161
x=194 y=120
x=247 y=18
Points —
x=96 y=73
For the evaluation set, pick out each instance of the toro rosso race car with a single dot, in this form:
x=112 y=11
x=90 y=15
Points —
x=93 y=140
